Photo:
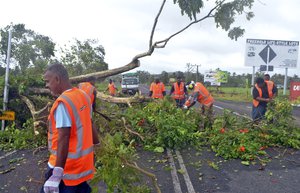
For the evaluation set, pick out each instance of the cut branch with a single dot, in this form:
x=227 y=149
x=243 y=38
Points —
x=152 y=176
x=131 y=131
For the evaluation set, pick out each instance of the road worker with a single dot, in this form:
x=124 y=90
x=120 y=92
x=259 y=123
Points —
x=70 y=135
x=200 y=94
x=157 y=89
x=261 y=96
x=111 y=88
x=179 y=92
x=272 y=89
x=89 y=88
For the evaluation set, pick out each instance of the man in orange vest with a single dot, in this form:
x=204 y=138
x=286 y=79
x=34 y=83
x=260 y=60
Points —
x=111 y=88
x=202 y=95
x=157 y=89
x=179 y=92
x=271 y=86
x=70 y=135
x=261 y=96
x=89 y=88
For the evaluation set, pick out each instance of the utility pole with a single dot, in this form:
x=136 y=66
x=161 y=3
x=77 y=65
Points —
x=197 y=70
x=5 y=95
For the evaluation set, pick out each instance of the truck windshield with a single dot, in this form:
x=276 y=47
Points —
x=130 y=81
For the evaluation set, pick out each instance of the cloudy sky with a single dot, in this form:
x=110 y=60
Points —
x=123 y=28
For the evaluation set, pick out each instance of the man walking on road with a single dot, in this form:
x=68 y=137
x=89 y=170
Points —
x=157 y=89
x=261 y=96
x=70 y=136
x=179 y=92
x=271 y=86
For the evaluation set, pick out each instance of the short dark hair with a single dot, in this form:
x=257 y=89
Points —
x=58 y=69
x=267 y=75
x=259 y=80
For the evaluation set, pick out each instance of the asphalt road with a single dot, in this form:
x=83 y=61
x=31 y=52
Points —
x=281 y=175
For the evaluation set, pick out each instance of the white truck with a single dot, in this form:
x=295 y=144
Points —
x=130 y=83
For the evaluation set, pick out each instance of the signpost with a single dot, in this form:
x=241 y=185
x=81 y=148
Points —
x=216 y=77
x=272 y=54
x=7 y=115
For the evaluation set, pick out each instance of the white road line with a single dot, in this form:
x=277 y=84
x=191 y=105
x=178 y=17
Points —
x=175 y=179
x=186 y=176
x=218 y=107
x=8 y=154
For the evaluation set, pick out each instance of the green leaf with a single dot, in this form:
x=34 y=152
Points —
x=159 y=149
x=246 y=163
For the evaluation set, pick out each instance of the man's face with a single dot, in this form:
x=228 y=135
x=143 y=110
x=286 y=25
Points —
x=52 y=83
x=179 y=80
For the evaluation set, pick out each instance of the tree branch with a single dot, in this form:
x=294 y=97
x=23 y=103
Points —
x=131 y=131
x=152 y=176
x=165 y=41
x=154 y=24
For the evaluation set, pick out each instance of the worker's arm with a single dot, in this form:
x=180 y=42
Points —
x=62 y=146
x=191 y=101
x=258 y=98
x=172 y=90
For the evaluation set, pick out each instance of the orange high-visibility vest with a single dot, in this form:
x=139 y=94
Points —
x=270 y=85
x=88 y=88
x=204 y=96
x=256 y=102
x=79 y=165
x=178 y=91
x=112 y=88
x=157 y=90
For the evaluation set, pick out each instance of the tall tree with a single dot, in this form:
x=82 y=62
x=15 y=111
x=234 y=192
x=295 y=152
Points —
x=84 y=57
x=27 y=47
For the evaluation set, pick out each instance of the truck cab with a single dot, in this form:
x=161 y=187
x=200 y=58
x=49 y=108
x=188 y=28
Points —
x=130 y=83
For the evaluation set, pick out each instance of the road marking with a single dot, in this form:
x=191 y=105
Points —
x=175 y=179
x=233 y=112
x=8 y=154
x=186 y=176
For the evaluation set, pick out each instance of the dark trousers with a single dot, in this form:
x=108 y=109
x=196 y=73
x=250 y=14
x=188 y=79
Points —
x=258 y=112
x=180 y=102
x=80 y=188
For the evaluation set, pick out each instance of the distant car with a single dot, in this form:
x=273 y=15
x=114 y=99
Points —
x=251 y=54
x=279 y=86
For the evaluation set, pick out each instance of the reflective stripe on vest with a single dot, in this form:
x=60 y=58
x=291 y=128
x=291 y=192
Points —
x=76 y=176
x=79 y=165
x=79 y=153
x=178 y=91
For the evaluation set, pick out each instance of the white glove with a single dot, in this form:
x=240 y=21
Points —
x=51 y=185
x=185 y=107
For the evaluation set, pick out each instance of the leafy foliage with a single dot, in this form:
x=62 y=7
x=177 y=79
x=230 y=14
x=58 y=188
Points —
x=24 y=138
x=233 y=137
x=84 y=57
x=112 y=156
x=27 y=47
x=163 y=125
x=190 y=7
